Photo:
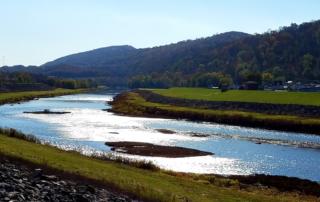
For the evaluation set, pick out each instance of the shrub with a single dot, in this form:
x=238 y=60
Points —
x=17 y=134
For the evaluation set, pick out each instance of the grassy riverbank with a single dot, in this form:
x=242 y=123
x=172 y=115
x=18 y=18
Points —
x=256 y=96
x=156 y=185
x=132 y=103
x=149 y=185
x=29 y=95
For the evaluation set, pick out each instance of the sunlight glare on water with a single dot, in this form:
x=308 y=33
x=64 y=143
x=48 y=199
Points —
x=199 y=164
x=89 y=126
x=98 y=125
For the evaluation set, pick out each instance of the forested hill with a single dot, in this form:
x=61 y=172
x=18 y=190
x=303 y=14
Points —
x=290 y=53
x=126 y=61
x=95 y=58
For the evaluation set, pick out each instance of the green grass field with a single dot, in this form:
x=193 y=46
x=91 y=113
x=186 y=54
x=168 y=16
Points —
x=156 y=186
x=302 y=98
x=21 y=96
x=134 y=104
x=150 y=185
x=137 y=100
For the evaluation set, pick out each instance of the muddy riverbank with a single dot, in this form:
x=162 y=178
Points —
x=147 y=149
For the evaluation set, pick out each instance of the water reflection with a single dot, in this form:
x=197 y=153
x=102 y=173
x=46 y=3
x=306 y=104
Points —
x=88 y=127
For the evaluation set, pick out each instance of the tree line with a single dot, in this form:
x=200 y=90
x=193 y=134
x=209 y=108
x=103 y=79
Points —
x=166 y=80
x=289 y=53
x=27 y=81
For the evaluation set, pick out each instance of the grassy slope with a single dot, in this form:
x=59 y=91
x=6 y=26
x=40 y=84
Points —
x=136 y=105
x=147 y=184
x=303 y=98
x=27 y=95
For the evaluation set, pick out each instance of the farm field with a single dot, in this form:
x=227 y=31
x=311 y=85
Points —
x=274 y=97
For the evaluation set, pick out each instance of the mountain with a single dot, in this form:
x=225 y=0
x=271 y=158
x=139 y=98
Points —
x=95 y=58
x=19 y=68
x=289 y=53
x=124 y=61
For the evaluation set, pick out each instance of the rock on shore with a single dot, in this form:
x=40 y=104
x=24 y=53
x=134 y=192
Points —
x=21 y=183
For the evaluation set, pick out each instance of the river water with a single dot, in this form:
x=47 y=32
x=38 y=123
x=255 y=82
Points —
x=88 y=127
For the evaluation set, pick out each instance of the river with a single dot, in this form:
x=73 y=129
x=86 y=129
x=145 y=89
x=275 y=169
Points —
x=237 y=150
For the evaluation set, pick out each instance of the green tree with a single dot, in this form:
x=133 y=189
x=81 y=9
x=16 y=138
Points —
x=226 y=81
x=267 y=77
x=278 y=74
x=307 y=65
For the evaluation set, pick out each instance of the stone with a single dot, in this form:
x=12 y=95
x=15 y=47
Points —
x=4 y=185
x=91 y=189
x=50 y=177
x=81 y=198
x=39 y=186
x=19 y=183
x=37 y=173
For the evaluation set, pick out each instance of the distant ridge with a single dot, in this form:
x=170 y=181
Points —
x=103 y=56
x=290 y=53
x=116 y=64
x=93 y=57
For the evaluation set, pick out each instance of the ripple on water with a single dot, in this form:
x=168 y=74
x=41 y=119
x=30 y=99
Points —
x=88 y=127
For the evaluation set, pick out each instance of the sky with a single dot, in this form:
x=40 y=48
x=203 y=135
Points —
x=33 y=32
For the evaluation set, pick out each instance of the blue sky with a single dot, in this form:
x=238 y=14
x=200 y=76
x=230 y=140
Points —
x=36 y=31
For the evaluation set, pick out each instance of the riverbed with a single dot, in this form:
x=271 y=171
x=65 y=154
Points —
x=237 y=150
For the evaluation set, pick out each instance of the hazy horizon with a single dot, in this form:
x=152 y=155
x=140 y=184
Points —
x=36 y=32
